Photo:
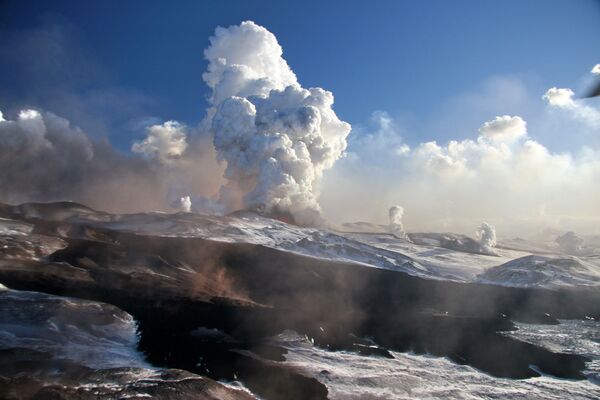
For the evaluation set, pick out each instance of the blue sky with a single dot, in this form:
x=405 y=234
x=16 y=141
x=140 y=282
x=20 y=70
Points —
x=125 y=63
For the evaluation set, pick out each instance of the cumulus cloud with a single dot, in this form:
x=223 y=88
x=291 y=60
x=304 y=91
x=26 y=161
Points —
x=562 y=98
x=245 y=60
x=43 y=157
x=276 y=137
x=166 y=141
x=504 y=129
x=35 y=149
x=275 y=141
x=596 y=69
x=502 y=175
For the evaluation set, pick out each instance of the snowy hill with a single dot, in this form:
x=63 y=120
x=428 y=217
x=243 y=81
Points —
x=543 y=271
x=444 y=256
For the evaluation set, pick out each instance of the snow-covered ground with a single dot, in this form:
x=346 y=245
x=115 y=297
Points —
x=379 y=249
x=431 y=255
x=62 y=347
x=462 y=266
x=89 y=333
x=547 y=271
x=350 y=376
x=100 y=336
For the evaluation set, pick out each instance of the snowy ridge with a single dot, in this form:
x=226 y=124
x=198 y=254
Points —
x=546 y=271
x=350 y=376
x=255 y=229
x=430 y=255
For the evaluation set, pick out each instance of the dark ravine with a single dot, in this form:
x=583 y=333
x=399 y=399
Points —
x=172 y=286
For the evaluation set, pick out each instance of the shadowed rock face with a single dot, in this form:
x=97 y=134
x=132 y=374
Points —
x=55 y=347
x=245 y=293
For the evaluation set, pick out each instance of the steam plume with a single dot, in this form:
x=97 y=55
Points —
x=276 y=137
x=396 y=227
x=185 y=204
x=486 y=234
x=165 y=142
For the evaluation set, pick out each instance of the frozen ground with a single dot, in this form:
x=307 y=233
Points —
x=549 y=271
x=94 y=345
x=410 y=376
x=89 y=333
x=378 y=249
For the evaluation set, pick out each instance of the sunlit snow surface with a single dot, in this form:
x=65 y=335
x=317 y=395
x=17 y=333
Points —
x=409 y=376
x=378 y=250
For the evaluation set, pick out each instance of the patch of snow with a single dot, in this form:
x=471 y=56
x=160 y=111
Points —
x=348 y=376
x=546 y=271
x=93 y=334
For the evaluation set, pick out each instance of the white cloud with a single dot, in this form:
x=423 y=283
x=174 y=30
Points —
x=166 y=141
x=276 y=136
x=505 y=129
x=559 y=97
x=563 y=98
x=502 y=176
x=596 y=69
x=44 y=158
x=245 y=60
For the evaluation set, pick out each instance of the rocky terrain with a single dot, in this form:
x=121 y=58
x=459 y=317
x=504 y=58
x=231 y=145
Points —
x=156 y=304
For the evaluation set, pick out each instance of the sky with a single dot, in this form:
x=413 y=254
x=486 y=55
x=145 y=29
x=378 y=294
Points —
x=403 y=74
x=411 y=59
